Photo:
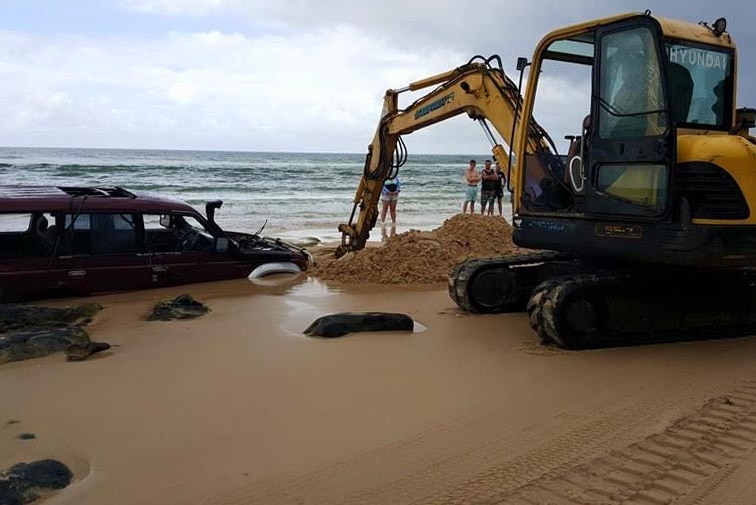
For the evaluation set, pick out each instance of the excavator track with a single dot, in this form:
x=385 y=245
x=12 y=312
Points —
x=491 y=285
x=643 y=306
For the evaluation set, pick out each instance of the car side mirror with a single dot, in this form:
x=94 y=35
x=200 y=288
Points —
x=165 y=221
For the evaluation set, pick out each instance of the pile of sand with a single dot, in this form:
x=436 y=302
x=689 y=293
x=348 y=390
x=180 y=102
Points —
x=421 y=257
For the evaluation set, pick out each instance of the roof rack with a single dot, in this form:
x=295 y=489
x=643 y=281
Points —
x=107 y=192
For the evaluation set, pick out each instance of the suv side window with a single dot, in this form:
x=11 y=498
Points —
x=77 y=235
x=175 y=233
x=99 y=234
x=113 y=234
x=27 y=235
x=160 y=236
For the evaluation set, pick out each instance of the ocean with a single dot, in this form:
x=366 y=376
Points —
x=297 y=196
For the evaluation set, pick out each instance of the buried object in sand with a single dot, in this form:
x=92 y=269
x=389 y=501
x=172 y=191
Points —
x=80 y=352
x=337 y=325
x=104 y=233
x=181 y=307
x=274 y=268
x=27 y=482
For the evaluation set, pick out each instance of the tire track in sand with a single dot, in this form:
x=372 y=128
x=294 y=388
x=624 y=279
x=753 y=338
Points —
x=699 y=450
x=473 y=461
x=438 y=467
x=468 y=462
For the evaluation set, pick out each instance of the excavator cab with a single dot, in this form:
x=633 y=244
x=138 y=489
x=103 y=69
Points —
x=629 y=106
x=651 y=80
x=622 y=166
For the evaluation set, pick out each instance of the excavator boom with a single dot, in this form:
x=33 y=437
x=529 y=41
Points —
x=479 y=89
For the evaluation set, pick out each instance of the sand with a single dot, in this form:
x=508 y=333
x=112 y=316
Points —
x=420 y=257
x=238 y=407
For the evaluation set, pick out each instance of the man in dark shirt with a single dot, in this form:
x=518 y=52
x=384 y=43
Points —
x=488 y=188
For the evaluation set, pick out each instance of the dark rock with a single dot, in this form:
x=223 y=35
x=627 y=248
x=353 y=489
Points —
x=36 y=342
x=80 y=352
x=337 y=325
x=29 y=331
x=23 y=482
x=18 y=317
x=26 y=436
x=12 y=421
x=181 y=307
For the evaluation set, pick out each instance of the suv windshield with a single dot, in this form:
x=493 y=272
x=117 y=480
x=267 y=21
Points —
x=700 y=82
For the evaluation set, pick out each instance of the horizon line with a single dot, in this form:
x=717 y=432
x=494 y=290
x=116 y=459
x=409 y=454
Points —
x=212 y=150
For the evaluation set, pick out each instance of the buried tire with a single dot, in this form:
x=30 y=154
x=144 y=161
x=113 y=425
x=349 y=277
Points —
x=337 y=325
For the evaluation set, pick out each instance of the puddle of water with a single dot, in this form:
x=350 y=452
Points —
x=300 y=285
x=313 y=288
x=278 y=279
x=300 y=316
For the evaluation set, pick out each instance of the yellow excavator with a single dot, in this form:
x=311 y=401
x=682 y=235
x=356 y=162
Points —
x=645 y=229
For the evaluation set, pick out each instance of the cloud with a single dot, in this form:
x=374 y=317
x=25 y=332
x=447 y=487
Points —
x=320 y=90
x=312 y=82
x=178 y=7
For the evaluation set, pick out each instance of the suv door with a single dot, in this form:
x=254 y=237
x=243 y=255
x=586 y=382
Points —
x=181 y=249
x=26 y=246
x=99 y=253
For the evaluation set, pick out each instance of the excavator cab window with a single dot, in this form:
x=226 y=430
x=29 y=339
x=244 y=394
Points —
x=631 y=99
x=566 y=70
x=701 y=79
x=618 y=163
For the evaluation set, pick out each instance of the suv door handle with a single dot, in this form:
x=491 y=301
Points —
x=77 y=273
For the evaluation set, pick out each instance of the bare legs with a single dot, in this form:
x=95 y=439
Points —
x=388 y=208
x=487 y=207
x=384 y=235
x=472 y=207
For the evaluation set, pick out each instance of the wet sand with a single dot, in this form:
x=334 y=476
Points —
x=238 y=407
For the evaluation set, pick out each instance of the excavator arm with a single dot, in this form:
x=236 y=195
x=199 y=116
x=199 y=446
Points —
x=477 y=88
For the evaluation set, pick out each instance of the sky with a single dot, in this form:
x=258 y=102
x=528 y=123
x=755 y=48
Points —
x=282 y=75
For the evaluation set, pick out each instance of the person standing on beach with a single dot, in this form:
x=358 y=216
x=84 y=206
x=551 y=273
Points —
x=389 y=197
x=500 y=186
x=472 y=178
x=488 y=189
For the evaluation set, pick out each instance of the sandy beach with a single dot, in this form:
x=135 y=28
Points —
x=238 y=407
x=302 y=159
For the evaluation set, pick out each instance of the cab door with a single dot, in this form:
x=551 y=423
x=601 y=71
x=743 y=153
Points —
x=631 y=141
